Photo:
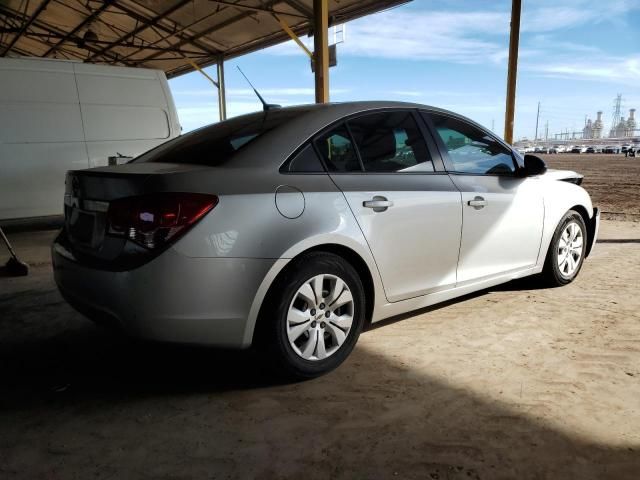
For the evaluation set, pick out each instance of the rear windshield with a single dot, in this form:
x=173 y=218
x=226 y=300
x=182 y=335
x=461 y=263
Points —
x=217 y=144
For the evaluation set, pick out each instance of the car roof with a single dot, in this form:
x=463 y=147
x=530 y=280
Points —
x=277 y=145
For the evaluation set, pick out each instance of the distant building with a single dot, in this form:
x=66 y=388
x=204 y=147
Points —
x=587 y=131
x=593 y=129
x=598 y=126
x=620 y=130
x=631 y=123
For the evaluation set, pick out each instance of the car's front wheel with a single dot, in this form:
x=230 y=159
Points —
x=567 y=250
x=314 y=315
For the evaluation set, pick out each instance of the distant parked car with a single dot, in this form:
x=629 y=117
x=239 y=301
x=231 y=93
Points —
x=625 y=147
x=593 y=149
x=296 y=227
x=612 y=149
x=579 y=149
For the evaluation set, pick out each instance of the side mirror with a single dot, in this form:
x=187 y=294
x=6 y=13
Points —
x=533 y=165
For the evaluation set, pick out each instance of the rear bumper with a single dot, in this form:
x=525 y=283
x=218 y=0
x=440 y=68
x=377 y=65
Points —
x=592 y=230
x=173 y=298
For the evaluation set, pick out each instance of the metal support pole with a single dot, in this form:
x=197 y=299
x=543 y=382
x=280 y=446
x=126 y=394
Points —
x=321 y=49
x=222 y=96
x=514 y=39
x=535 y=138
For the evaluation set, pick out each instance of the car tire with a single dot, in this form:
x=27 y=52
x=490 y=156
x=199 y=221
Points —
x=290 y=322
x=567 y=251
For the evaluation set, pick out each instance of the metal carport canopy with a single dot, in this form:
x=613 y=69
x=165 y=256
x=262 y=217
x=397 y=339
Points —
x=167 y=35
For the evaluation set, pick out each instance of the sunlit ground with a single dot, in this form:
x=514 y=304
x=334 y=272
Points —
x=511 y=383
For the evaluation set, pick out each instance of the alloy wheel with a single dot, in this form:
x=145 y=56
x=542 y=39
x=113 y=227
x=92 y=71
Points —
x=320 y=317
x=570 y=248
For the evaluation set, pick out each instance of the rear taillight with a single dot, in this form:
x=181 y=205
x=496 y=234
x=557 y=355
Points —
x=155 y=220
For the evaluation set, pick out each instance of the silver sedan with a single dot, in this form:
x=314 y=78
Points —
x=291 y=229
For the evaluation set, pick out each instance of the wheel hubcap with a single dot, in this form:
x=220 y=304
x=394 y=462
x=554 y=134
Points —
x=320 y=317
x=570 y=249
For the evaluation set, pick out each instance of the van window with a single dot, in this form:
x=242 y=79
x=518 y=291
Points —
x=98 y=85
x=119 y=122
x=217 y=144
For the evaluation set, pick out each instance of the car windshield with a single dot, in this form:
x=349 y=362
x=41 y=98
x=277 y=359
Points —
x=217 y=144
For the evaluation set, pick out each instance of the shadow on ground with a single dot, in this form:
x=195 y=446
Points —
x=77 y=402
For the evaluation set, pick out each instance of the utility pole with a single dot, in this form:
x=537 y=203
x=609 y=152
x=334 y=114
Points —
x=535 y=139
x=546 y=131
x=512 y=72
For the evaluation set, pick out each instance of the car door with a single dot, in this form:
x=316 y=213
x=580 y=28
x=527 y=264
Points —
x=404 y=202
x=503 y=212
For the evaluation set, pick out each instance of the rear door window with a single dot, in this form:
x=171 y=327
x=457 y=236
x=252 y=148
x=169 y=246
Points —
x=390 y=142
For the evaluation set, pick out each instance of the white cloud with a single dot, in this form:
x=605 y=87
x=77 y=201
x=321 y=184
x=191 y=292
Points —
x=470 y=37
x=407 y=93
x=549 y=15
x=606 y=69
x=247 y=92
x=198 y=116
x=423 y=35
x=461 y=37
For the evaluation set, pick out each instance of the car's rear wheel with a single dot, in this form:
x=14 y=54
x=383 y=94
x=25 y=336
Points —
x=567 y=250
x=314 y=316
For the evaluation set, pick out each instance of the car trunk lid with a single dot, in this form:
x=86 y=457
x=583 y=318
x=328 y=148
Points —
x=88 y=194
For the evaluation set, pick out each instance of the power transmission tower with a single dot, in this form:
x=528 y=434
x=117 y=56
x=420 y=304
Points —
x=617 y=110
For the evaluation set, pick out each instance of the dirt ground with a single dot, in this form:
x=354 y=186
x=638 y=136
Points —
x=512 y=383
x=612 y=180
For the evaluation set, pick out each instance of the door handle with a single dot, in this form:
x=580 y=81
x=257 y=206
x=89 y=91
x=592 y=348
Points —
x=379 y=204
x=478 y=203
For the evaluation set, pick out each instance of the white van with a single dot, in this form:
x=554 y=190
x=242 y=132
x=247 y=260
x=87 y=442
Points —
x=61 y=115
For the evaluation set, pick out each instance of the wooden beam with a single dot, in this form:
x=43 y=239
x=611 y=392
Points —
x=300 y=7
x=321 y=49
x=49 y=28
x=88 y=19
x=145 y=23
x=512 y=72
x=239 y=6
x=171 y=33
x=214 y=28
x=25 y=26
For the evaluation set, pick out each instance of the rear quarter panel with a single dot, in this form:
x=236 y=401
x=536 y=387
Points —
x=250 y=225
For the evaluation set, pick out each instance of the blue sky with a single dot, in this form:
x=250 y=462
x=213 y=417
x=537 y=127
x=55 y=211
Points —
x=575 y=56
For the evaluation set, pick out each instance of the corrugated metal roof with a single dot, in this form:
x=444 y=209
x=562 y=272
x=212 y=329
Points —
x=160 y=34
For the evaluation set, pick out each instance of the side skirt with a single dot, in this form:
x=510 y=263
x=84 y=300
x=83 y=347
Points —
x=397 y=308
